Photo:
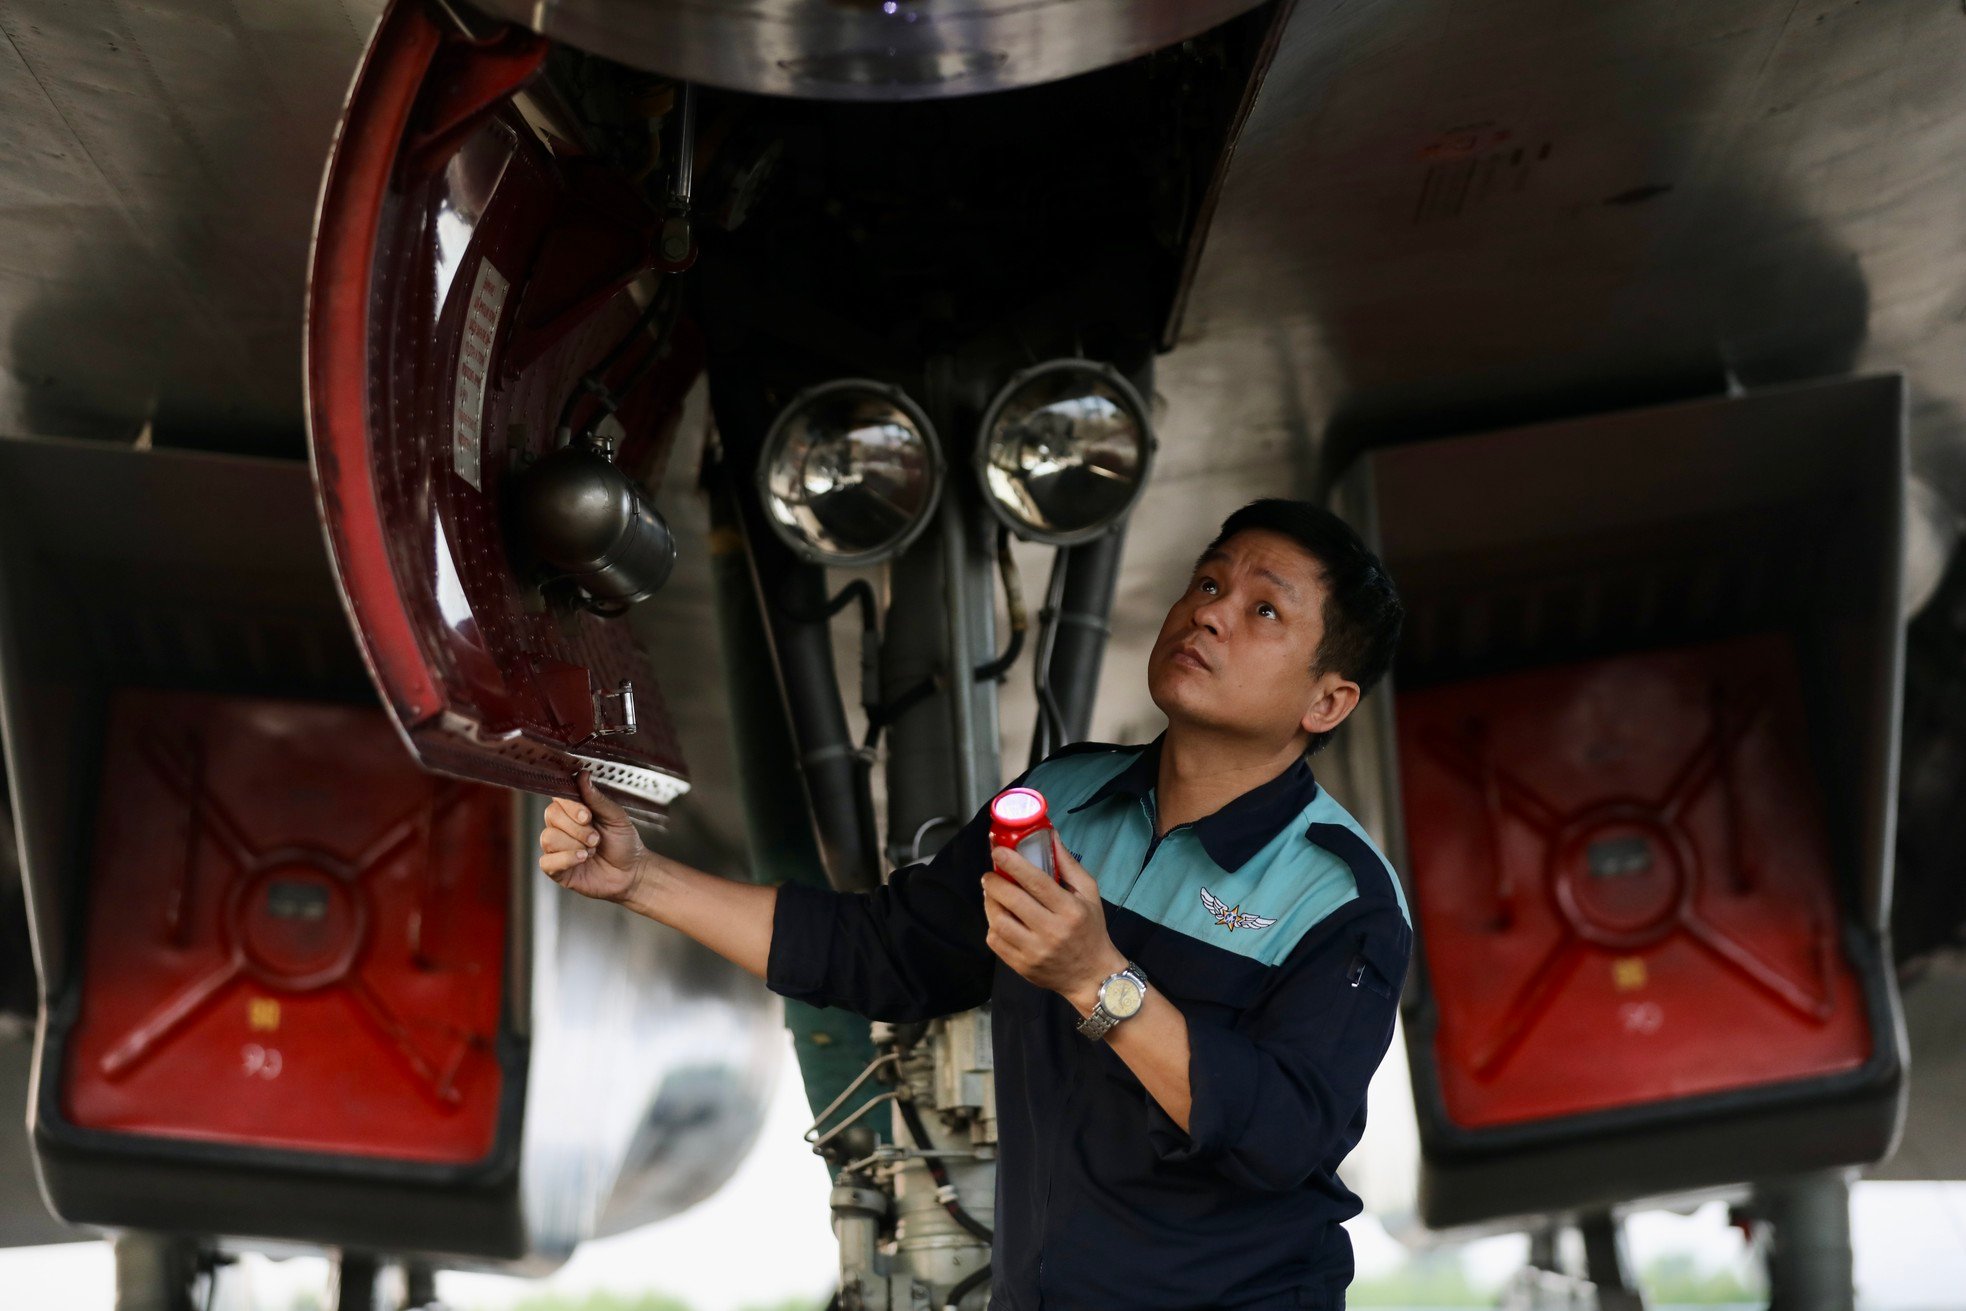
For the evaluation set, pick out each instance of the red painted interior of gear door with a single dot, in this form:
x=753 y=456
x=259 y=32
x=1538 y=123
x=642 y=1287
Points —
x=295 y=937
x=1623 y=884
x=471 y=265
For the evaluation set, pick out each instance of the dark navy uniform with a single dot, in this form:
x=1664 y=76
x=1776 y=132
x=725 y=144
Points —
x=1278 y=929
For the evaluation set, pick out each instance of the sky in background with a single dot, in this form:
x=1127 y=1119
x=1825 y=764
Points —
x=765 y=1237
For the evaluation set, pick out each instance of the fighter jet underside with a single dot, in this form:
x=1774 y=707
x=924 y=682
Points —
x=409 y=385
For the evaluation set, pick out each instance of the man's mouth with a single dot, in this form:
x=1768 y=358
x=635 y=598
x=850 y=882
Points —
x=1187 y=655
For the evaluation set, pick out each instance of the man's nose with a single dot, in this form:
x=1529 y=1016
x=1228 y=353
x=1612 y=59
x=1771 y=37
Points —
x=1212 y=615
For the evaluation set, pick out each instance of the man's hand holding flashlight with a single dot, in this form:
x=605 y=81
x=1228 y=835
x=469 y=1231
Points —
x=1053 y=936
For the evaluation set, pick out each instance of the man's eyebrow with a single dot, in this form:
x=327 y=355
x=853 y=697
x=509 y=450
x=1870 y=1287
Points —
x=1210 y=556
x=1282 y=584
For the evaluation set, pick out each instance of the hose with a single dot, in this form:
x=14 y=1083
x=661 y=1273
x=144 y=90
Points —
x=857 y=590
x=945 y=1192
x=879 y=714
x=879 y=717
x=969 y=1285
x=1013 y=593
x=1049 y=734
x=593 y=382
x=834 y=776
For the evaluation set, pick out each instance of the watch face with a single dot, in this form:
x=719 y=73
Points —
x=1121 y=996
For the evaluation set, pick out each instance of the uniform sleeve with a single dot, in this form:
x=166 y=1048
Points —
x=910 y=950
x=1282 y=1092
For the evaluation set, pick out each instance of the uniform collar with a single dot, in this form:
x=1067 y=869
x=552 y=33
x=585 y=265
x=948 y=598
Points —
x=1239 y=829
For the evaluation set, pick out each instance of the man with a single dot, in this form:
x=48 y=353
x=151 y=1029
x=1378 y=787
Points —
x=1180 y=1150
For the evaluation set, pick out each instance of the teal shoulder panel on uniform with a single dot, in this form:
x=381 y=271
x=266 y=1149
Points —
x=1110 y=840
x=1260 y=910
x=1325 y=810
x=1265 y=908
x=1069 y=777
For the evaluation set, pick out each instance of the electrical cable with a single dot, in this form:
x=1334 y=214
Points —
x=664 y=304
x=969 y=1284
x=921 y=831
x=879 y=715
x=590 y=383
x=1049 y=733
x=657 y=352
x=659 y=315
x=882 y=715
x=1013 y=591
x=605 y=609
x=857 y=590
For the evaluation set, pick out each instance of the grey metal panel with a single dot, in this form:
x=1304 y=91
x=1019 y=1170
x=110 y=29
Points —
x=157 y=183
x=1934 y=1143
x=25 y=1220
x=1443 y=216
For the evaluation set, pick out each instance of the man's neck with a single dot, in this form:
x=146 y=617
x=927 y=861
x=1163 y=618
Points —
x=1200 y=772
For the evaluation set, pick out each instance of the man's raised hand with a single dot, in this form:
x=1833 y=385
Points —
x=593 y=848
x=1054 y=936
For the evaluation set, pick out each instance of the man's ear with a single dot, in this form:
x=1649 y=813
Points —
x=1337 y=698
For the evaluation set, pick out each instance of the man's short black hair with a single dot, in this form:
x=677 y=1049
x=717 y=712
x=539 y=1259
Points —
x=1362 y=611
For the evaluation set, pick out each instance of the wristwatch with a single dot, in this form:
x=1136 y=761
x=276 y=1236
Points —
x=1120 y=998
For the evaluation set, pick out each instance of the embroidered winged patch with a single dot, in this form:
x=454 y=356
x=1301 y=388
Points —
x=1231 y=917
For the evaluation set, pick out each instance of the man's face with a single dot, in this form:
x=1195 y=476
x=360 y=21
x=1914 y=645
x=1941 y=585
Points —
x=1237 y=651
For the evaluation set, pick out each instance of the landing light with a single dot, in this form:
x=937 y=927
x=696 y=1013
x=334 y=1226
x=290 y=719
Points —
x=1065 y=451
x=850 y=473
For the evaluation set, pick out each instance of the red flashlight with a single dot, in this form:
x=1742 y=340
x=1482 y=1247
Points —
x=1020 y=820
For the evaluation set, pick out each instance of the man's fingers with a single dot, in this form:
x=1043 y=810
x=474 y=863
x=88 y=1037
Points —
x=997 y=904
x=1010 y=895
x=563 y=808
x=568 y=817
x=553 y=839
x=1011 y=865
x=1015 y=887
x=555 y=861
x=1029 y=877
x=1075 y=875
x=606 y=809
x=1006 y=929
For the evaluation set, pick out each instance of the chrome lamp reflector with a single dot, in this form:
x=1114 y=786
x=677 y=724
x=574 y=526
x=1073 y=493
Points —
x=850 y=473
x=1065 y=451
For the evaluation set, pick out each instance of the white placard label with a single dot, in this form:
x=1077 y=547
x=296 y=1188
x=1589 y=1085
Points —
x=474 y=371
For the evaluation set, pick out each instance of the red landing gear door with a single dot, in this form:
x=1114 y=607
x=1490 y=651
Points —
x=471 y=264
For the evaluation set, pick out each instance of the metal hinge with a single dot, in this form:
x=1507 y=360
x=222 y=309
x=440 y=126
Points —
x=614 y=712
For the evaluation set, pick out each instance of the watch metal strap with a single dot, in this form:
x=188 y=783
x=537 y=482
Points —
x=1100 y=1023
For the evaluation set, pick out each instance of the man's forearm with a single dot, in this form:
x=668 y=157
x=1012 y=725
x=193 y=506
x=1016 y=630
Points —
x=730 y=918
x=1154 y=1045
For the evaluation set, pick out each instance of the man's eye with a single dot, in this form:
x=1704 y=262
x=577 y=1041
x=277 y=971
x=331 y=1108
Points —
x=1207 y=585
x=1267 y=610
